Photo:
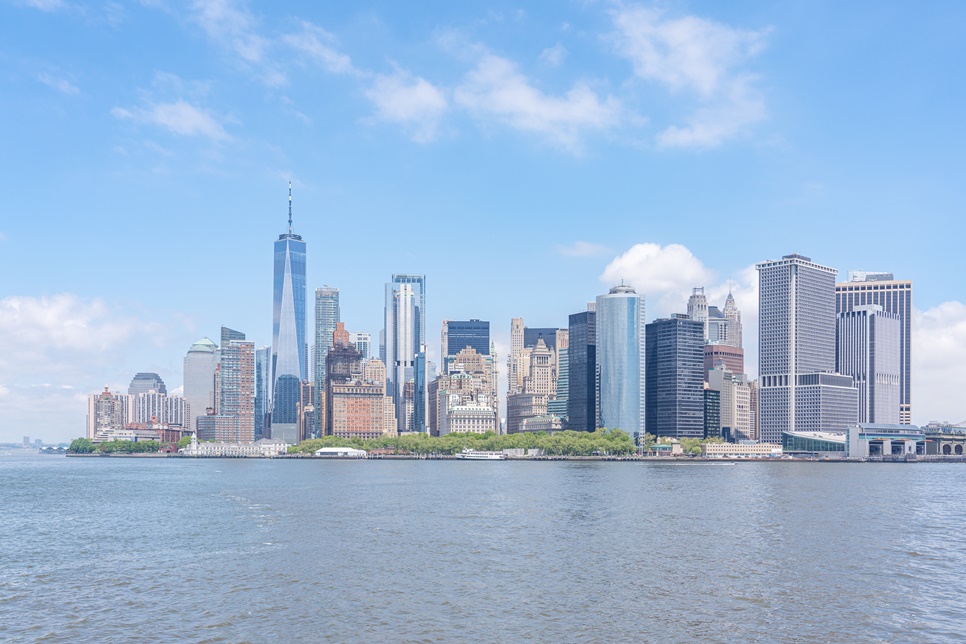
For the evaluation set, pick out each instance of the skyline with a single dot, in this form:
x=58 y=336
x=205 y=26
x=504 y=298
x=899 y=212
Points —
x=142 y=189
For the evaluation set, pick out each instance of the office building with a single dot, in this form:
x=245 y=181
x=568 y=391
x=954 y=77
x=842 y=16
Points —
x=237 y=386
x=734 y=405
x=621 y=361
x=343 y=364
x=289 y=363
x=363 y=343
x=199 y=379
x=868 y=346
x=674 y=377
x=221 y=428
x=557 y=406
x=456 y=335
x=582 y=371
x=327 y=315
x=732 y=357
x=142 y=383
x=360 y=410
x=894 y=296
x=404 y=336
x=514 y=374
x=798 y=389
x=698 y=309
x=263 y=392
x=712 y=413
x=733 y=327
x=227 y=335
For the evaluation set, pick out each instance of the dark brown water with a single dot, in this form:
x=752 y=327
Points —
x=273 y=551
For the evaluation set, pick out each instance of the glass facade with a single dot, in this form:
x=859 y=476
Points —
x=404 y=335
x=620 y=360
x=467 y=333
x=289 y=360
x=674 y=376
x=582 y=372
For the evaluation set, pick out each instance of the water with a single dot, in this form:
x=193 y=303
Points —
x=260 y=550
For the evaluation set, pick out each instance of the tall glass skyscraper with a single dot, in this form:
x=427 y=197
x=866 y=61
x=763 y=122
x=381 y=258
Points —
x=675 y=377
x=620 y=360
x=404 y=336
x=327 y=315
x=263 y=391
x=289 y=363
x=582 y=372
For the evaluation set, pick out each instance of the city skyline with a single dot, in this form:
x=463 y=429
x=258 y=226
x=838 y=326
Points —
x=581 y=178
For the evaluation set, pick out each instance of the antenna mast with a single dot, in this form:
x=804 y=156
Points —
x=289 y=207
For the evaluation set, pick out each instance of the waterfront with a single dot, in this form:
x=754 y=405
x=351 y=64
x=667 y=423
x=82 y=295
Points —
x=165 y=549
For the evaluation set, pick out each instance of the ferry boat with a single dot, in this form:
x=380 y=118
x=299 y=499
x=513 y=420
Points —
x=475 y=455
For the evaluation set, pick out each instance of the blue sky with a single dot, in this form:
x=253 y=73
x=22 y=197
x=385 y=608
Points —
x=523 y=156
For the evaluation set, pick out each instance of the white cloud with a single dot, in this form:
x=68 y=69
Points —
x=319 y=45
x=495 y=88
x=235 y=29
x=938 y=356
x=177 y=117
x=700 y=57
x=554 y=56
x=583 y=249
x=662 y=272
x=60 y=84
x=409 y=100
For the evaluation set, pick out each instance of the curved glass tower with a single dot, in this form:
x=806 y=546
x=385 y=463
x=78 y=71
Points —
x=288 y=332
x=620 y=360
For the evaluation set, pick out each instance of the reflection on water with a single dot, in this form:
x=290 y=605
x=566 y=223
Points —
x=493 y=551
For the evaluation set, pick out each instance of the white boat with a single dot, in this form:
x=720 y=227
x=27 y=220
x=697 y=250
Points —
x=475 y=455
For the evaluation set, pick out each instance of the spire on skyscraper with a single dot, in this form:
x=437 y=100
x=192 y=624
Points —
x=289 y=207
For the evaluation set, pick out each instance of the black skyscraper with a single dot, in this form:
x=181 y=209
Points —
x=674 y=377
x=582 y=355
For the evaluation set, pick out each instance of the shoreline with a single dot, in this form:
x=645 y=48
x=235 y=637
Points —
x=543 y=459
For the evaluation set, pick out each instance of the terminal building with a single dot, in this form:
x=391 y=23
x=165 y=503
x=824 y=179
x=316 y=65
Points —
x=860 y=440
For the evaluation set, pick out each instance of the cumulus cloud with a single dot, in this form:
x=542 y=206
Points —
x=938 y=356
x=583 y=249
x=409 y=100
x=319 y=46
x=664 y=272
x=178 y=117
x=696 y=56
x=60 y=84
x=497 y=89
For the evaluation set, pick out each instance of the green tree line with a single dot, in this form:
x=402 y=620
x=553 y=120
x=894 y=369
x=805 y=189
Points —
x=566 y=443
x=87 y=446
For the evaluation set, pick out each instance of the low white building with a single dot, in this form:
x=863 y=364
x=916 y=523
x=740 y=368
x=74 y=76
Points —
x=722 y=450
x=341 y=452
x=263 y=448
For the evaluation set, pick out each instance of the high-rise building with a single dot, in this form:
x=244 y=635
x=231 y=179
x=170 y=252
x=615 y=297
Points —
x=557 y=406
x=674 y=370
x=289 y=364
x=327 y=315
x=732 y=357
x=532 y=334
x=456 y=335
x=107 y=411
x=362 y=342
x=405 y=337
x=199 y=379
x=514 y=373
x=712 y=413
x=621 y=360
x=237 y=390
x=152 y=407
x=798 y=389
x=734 y=404
x=227 y=335
x=343 y=364
x=733 y=329
x=868 y=346
x=894 y=296
x=698 y=308
x=460 y=397
x=142 y=383
x=582 y=372
x=263 y=392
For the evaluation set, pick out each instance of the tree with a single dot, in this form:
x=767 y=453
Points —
x=184 y=442
x=81 y=446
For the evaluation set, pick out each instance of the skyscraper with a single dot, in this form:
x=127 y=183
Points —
x=199 y=379
x=698 y=308
x=289 y=364
x=733 y=315
x=459 y=334
x=362 y=342
x=674 y=376
x=142 y=383
x=237 y=391
x=894 y=296
x=514 y=373
x=263 y=389
x=582 y=372
x=327 y=315
x=227 y=335
x=405 y=336
x=620 y=360
x=868 y=347
x=798 y=389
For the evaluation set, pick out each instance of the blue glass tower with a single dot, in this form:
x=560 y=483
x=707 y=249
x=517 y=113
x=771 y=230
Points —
x=620 y=360
x=289 y=363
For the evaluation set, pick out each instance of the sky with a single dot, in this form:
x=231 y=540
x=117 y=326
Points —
x=523 y=156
